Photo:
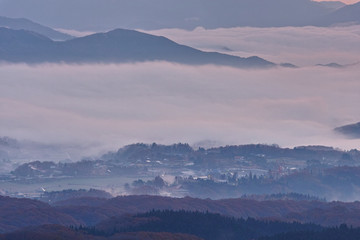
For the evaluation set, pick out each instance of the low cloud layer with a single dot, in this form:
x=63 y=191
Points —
x=303 y=46
x=114 y=105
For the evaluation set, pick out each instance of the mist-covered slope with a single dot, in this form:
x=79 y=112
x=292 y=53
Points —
x=117 y=46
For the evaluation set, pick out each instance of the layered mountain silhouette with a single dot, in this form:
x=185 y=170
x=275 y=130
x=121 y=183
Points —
x=97 y=15
x=117 y=46
x=25 y=24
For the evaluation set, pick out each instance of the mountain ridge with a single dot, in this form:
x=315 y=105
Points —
x=26 y=24
x=350 y=130
x=347 y=15
x=116 y=46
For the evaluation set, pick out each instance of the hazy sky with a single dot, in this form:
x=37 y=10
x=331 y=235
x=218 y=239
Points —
x=98 y=15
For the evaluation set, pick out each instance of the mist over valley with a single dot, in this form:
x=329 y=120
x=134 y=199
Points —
x=196 y=120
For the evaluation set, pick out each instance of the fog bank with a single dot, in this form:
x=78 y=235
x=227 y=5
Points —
x=114 y=105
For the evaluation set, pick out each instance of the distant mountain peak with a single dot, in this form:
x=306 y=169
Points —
x=116 y=46
x=351 y=130
x=331 y=65
x=26 y=24
x=347 y=15
x=334 y=5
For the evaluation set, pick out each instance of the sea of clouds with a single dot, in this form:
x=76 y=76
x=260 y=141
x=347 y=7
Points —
x=166 y=103
x=112 y=105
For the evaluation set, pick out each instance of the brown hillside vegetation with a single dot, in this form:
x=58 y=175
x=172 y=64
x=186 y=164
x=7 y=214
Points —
x=327 y=214
x=57 y=232
x=18 y=213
